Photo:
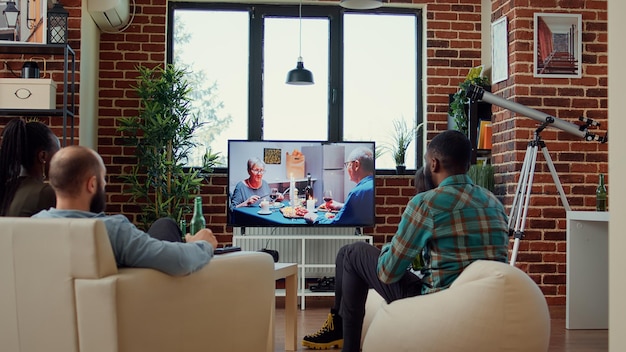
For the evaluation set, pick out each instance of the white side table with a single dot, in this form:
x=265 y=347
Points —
x=587 y=292
x=289 y=272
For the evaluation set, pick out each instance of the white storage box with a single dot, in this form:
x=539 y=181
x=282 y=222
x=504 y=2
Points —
x=27 y=93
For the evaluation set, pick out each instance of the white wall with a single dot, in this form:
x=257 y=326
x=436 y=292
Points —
x=617 y=169
x=89 y=58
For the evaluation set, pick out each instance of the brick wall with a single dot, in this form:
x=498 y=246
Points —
x=54 y=65
x=453 y=41
x=577 y=162
x=453 y=47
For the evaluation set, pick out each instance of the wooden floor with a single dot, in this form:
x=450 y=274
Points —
x=562 y=340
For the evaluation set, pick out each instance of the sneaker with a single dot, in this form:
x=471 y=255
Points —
x=328 y=336
x=325 y=284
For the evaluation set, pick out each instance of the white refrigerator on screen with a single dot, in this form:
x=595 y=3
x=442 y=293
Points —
x=325 y=164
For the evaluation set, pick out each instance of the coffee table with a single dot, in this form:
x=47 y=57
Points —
x=289 y=272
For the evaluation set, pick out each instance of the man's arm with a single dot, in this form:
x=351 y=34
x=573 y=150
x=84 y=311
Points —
x=237 y=197
x=358 y=201
x=135 y=248
x=406 y=244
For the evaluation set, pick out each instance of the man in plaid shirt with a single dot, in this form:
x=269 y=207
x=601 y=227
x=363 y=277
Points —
x=450 y=226
x=441 y=232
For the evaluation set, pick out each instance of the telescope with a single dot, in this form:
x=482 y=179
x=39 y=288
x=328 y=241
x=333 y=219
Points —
x=519 y=208
x=476 y=93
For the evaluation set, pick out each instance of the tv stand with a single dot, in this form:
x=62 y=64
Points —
x=247 y=242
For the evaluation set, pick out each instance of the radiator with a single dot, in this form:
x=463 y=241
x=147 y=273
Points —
x=320 y=252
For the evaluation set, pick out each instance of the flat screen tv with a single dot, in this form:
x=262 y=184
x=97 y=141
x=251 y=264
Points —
x=301 y=183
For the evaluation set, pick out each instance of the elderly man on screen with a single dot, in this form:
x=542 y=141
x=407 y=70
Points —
x=360 y=167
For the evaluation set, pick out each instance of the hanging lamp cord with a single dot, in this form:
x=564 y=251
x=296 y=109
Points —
x=300 y=40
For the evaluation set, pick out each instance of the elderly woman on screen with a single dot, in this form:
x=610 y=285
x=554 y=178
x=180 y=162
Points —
x=249 y=191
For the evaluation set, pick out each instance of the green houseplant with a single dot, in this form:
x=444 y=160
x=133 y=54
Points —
x=459 y=103
x=401 y=138
x=482 y=175
x=161 y=134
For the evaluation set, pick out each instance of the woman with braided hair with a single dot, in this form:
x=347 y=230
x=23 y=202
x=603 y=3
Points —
x=25 y=153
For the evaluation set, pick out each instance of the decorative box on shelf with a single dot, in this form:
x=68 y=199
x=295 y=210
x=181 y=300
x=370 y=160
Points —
x=27 y=93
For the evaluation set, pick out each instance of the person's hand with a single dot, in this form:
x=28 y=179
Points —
x=251 y=200
x=332 y=205
x=310 y=217
x=203 y=235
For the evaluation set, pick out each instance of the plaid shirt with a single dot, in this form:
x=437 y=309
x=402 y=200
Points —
x=451 y=226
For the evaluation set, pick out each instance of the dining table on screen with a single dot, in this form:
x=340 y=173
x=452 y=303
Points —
x=253 y=216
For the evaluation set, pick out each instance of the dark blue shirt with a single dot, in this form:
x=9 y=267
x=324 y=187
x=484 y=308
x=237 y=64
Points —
x=358 y=208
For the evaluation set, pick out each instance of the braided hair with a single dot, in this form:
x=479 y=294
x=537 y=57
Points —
x=21 y=142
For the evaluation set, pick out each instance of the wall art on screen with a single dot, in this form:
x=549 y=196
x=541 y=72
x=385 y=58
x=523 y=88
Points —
x=301 y=183
x=557 y=45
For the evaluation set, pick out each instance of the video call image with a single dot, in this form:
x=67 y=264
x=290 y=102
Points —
x=291 y=183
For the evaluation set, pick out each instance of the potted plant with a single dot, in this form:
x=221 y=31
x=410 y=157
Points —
x=459 y=104
x=161 y=135
x=402 y=137
x=482 y=175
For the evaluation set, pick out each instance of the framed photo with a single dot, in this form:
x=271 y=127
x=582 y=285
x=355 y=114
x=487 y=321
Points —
x=30 y=25
x=499 y=51
x=557 y=45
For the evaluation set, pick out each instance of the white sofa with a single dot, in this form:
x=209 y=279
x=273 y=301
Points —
x=60 y=291
x=490 y=307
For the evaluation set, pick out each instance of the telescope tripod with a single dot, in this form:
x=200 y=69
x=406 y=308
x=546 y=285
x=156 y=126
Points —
x=519 y=209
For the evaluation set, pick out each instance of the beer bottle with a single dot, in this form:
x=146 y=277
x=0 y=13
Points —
x=601 y=195
x=183 y=228
x=197 y=221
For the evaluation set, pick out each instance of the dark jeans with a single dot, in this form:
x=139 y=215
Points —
x=165 y=229
x=355 y=274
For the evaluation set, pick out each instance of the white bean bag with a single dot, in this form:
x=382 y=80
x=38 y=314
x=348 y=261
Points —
x=491 y=306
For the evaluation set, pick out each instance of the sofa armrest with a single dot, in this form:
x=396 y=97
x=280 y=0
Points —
x=225 y=306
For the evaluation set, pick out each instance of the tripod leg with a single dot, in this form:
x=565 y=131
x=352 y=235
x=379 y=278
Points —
x=519 y=210
x=523 y=196
x=520 y=188
x=555 y=177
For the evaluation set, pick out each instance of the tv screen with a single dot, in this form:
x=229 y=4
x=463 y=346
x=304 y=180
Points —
x=301 y=183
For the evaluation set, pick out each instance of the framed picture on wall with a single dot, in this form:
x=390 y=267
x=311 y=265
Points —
x=499 y=51
x=557 y=45
x=23 y=21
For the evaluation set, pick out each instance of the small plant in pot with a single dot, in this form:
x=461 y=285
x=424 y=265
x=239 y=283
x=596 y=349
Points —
x=459 y=105
x=401 y=139
x=482 y=175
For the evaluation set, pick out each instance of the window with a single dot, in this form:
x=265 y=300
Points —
x=365 y=65
x=295 y=112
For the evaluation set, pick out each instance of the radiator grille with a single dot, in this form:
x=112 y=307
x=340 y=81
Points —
x=317 y=252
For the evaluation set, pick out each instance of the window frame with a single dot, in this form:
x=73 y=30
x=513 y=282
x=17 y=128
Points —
x=257 y=13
